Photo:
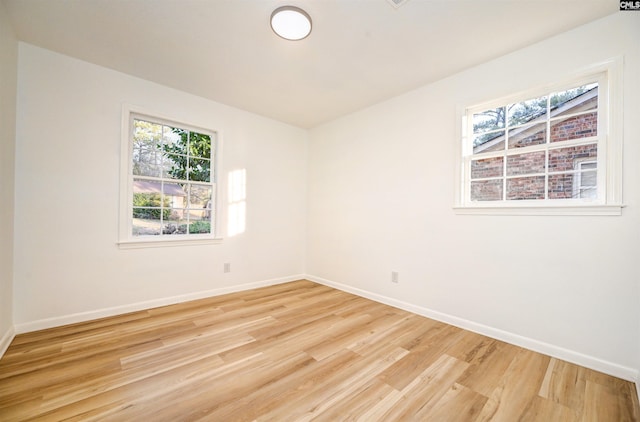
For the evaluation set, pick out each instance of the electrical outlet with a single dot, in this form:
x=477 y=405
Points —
x=227 y=267
x=394 y=276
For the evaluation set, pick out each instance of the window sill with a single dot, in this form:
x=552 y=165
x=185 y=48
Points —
x=541 y=210
x=138 y=244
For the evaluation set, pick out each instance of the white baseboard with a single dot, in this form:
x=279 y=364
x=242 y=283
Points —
x=626 y=373
x=133 y=307
x=6 y=340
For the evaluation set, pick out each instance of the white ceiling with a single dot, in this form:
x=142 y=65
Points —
x=360 y=51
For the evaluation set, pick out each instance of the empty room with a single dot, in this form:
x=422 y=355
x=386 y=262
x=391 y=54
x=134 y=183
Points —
x=328 y=210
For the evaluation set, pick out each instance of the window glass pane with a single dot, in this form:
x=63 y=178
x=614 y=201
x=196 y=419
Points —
x=574 y=100
x=148 y=207
x=486 y=142
x=564 y=159
x=149 y=204
x=176 y=223
x=588 y=179
x=176 y=214
x=146 y=221
x=146 y=153
x=174 y=228
x=589 y=193
x=527 y=111
x=199 y=145
x=146 y=161
x=588 y=185
x=199 y=214
x=200 y=227
x=174 y=140
x=528 y=135
x=566 y=103
x=147 y=193
x=576 y=127
x=146 y=134
x=489 y=120
x=199 y=169
x=174 y=166
x=532 y=162
x=148 y=213
x=200 y=196
x=486 y=190
x=561 y=186
x=525 y=188
x=489 y=167
x=175 y=195
x=573 y=185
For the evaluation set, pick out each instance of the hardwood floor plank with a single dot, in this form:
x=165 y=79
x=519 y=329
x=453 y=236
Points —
x=296 y=351
x=542 y=410
x=565 y=384
x=517 y=388
x=350 y=387
x=148 y=397
x=605 y=403
x=384 y=336
x=427 y=388
x=276 y=343
x=404 y=371
x=473 y=348
x=484 y=375
x=208 y=397
x=307 y=401
x=352 y=407
x=344 y=334
x=459 y=404
x=296 y=393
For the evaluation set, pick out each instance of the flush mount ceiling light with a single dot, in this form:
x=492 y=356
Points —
x=291 y=23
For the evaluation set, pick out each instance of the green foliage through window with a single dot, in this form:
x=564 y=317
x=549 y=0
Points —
x=189 y=156
x=150 y=200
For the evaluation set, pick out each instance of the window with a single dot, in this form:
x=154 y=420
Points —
x=170 y=182
x=553 y=151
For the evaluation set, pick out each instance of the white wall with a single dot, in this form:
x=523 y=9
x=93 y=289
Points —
x=8 y=87
x=381 y=193
x=67 y=264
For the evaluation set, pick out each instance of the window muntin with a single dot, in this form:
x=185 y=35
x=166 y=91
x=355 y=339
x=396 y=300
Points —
x=171 y=180
x=528 y=150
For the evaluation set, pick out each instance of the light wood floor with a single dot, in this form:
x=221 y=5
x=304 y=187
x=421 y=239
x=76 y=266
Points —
x=293 y=352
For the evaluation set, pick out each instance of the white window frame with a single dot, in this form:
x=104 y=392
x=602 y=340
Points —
x=126 y=239
x=609 y=139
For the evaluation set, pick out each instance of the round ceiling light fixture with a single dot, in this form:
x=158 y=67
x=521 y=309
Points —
x=291 y=23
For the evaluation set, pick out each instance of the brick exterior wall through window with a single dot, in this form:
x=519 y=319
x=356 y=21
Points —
x=527 y=168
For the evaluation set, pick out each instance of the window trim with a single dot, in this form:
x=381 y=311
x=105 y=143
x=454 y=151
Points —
x=125 y=239
x=609 y=75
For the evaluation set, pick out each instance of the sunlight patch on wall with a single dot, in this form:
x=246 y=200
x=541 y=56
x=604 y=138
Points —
x=237 y=202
